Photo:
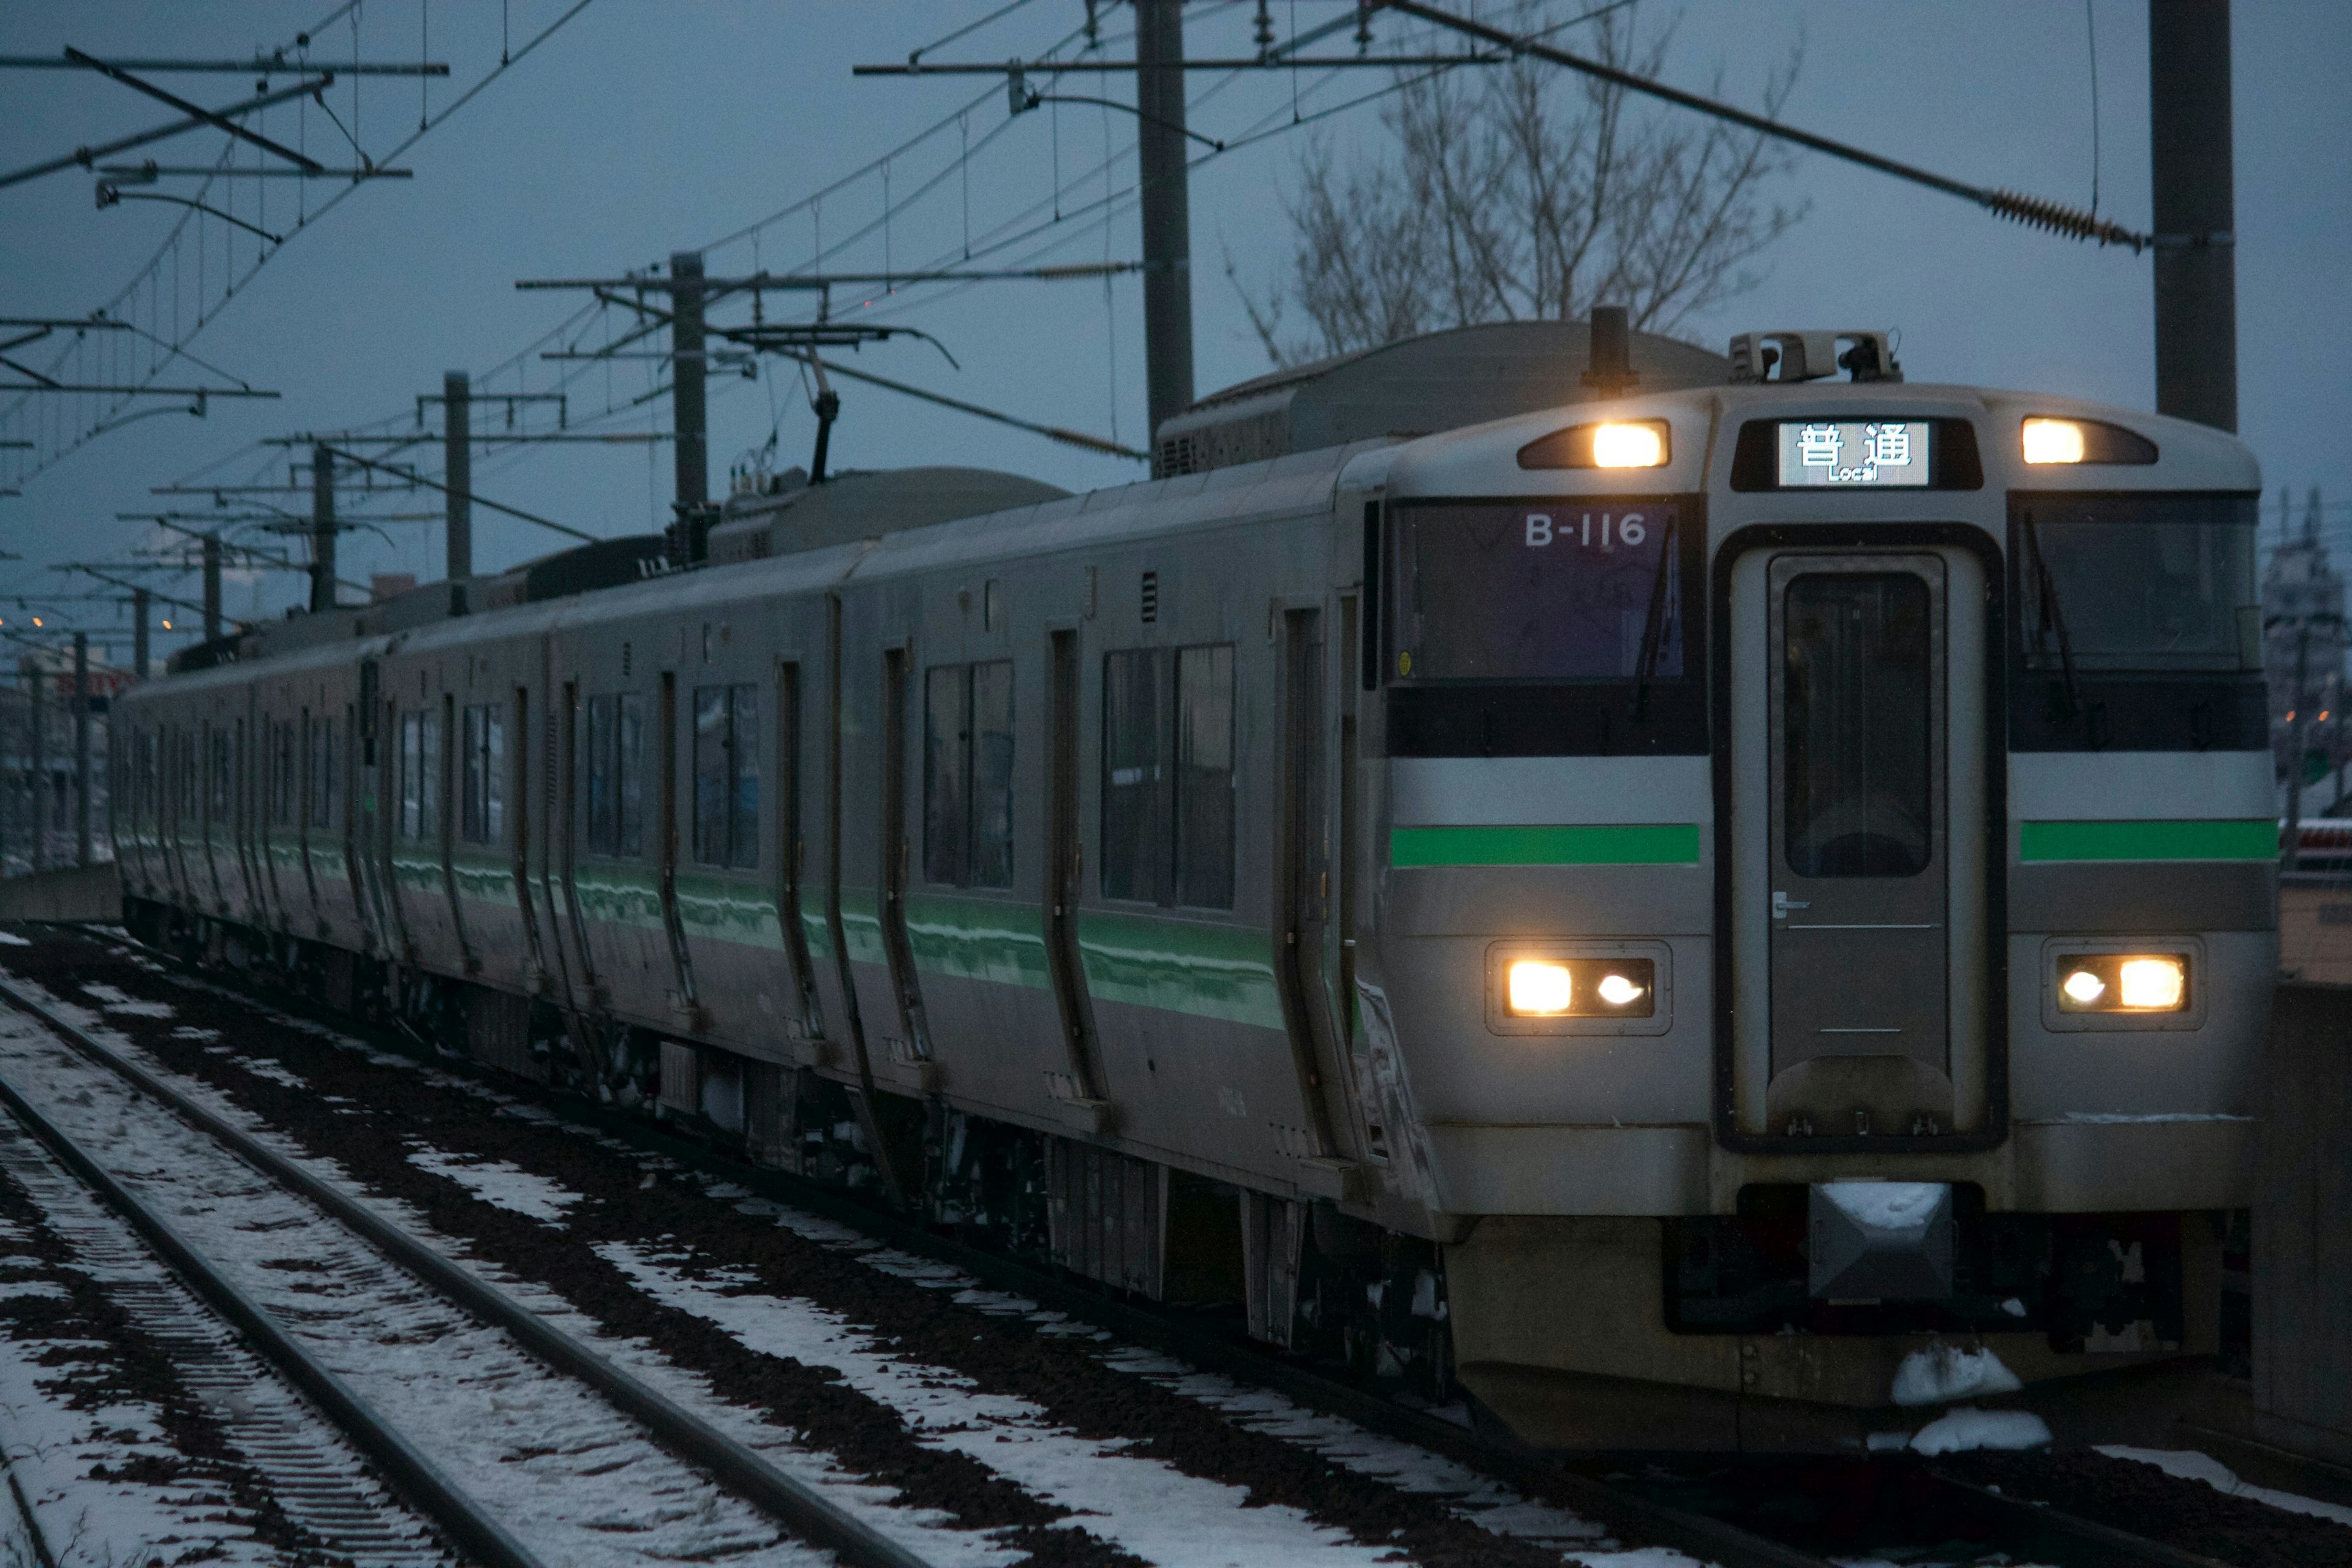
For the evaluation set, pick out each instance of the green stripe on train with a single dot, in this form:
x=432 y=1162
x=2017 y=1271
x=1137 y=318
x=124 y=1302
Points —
x=1586 y=844
x=2245 y=838
x=1180 y=966
x=978 y=938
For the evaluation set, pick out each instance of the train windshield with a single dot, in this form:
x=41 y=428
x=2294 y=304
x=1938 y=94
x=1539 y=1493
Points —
x=1546 y=591
x=2135 y=583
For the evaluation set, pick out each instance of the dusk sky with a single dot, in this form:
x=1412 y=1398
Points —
x=638 y=128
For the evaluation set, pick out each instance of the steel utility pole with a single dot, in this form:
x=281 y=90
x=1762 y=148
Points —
x=38 y=759
x=685 y=371
x=82 y=748
x=139 y=614
x=323 y=528
x=2195 y=211
x=1167 y=210
x=458 y=469
x=212 y=587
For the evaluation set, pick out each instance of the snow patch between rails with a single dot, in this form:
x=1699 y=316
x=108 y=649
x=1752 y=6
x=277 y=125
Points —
x=2189 y=1465
x=10 y=938
x=112 y=999
x=1144 y=1505
x=1968 y=1427
x=508 y=1186
x=1942 y=1373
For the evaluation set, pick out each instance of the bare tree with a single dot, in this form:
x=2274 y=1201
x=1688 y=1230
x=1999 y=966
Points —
x=1526 y=191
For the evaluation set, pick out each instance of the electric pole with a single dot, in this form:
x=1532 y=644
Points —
x=212 y=587
x=457 y=468
x=35 y=679
x=1166 y=205
x=685 y=372
x=2196 y=268
x=323 y=528
x=82 y=748
x=139 y=614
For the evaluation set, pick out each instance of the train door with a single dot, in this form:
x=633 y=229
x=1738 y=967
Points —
x=897 y=681
x=1302 y=868
x=1065 y=885
x=1859 y=811
x=791 y=851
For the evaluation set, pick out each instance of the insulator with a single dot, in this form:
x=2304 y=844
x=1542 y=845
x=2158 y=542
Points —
x=2037 y=213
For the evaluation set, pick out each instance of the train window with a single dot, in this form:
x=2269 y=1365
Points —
x=2135 y=583
x=282 y=776
x=1858 y=784
x=1589 y=590
x=483 y=819
x=727 y=775
x=968 y=774
x=322 y=772
x=1205 y=776
x=420 y=775
x=947 y=772
x=617 y=788
x=220 y=776
x=1134 y=847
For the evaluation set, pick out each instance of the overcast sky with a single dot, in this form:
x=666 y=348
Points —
x=640 y=128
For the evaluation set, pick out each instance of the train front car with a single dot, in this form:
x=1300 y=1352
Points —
x=1827 y=923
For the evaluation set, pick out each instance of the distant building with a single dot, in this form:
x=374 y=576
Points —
x=2303 y=623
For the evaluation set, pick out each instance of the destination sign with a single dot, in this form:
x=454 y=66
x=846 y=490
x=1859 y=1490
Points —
x=1855 y=454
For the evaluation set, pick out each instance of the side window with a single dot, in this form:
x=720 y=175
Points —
x=991 y=774
x=946 y=759
x=629 y=771
x=603 y=791
x=484 y=806
x=220 y=771
x=968 y=774
x=727 y=775
x=282 y=777
x=412 y=774
x=1132 y=835
x=1205 y=776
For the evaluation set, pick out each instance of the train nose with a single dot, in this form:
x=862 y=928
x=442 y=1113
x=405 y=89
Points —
x=1880 y=1241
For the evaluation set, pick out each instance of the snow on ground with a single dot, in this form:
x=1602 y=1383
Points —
x=112 y=999
x=498 y=1181
x=10 y=938
x=580 y=1483
x=1145 y=1504
x=1957 y=1431
x=2190 y=1465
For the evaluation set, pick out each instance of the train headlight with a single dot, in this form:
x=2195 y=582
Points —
x=1609 y=444
x=2053 y=441
x=1569 y=987
x=2045 y=440
x=2123 y=982
x=1617 y=991
x=1540 y=989
x=2154 y=984
x=1635 y=445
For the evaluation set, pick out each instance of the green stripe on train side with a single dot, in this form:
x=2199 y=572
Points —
x=861 y=927
x=1581 y=843
x=978 y=938
x=1180 y=966
x=617 y=892
x=2240 y=839
x=721 y=909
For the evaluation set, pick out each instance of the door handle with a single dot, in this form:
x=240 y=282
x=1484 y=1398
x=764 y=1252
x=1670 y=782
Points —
x=1782 y=903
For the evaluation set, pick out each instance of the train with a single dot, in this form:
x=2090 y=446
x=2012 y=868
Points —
x=1680 y=901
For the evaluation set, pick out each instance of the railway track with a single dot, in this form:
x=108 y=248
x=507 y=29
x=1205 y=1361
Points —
x=2025 y=1531
x=465 y=1519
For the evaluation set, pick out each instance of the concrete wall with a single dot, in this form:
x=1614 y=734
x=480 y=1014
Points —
x=2303 y=1229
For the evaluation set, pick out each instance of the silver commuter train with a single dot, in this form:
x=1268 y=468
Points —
x=1669 y=904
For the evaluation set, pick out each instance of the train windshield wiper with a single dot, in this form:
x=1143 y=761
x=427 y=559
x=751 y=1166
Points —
x=1654 y=628
x=2051 y=615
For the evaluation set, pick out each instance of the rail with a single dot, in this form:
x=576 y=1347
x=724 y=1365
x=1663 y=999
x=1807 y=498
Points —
x=2049 y=1533
x=735 y=1467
